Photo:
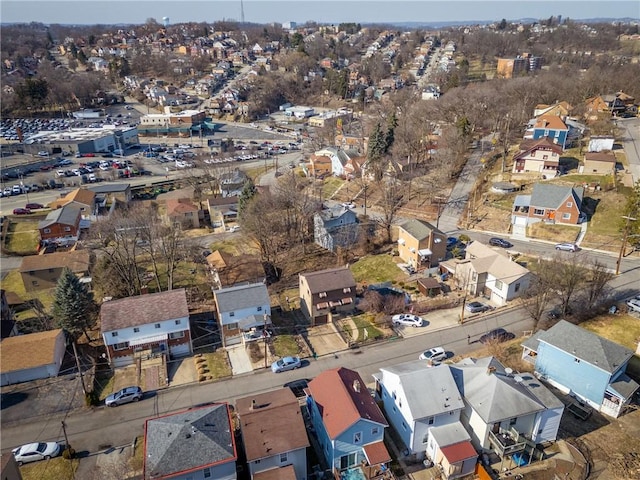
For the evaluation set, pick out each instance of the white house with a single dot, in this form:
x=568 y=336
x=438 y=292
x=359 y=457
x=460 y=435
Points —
x=146 y=325
x=242 y=309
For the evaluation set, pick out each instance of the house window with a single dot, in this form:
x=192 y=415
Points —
x=513 y=421
x=544 y=157
x=34 y=283
x=404 y=426
x=357 y=437
x=566 y=216
x=121 y=346
x=174 y=335
x=425 y=439
x=577 y=360
x=136 y=330
x=431 y=420
x=232 y=326
x=516 y=288
x=394 y=395
x=51 y=270
x=157 y=325
x=375 y=431
x=259 y=309
x=178 y=322
x=322 y=294
x=114 y=334
x=474 y=276
x=499 y=284
x=47 y=230
x=569 y=204
x=232 y=314
x=67 y=229
x=538 y=211
x=207 y=472
x=283 y=457
x=346 y=290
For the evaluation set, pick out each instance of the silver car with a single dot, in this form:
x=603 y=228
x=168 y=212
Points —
x=32 y=452
x=567 y=247
x=126 y=395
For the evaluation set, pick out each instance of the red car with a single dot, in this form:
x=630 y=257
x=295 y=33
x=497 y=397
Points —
x=21 y=211
x=33 y=206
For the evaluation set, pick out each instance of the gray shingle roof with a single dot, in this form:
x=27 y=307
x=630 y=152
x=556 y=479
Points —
x=188 y=440
x=551 y=196
x=329 y=280
x=449 y=434
x=66 y=215
x=109 y=187
x=624 y=385
x=419 y=229
x=586 y=346
x=240 y=297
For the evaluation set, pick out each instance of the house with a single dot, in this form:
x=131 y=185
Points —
x=584 y=365
x=111 y=192
x=420 y=244
x=489 y=272
x=80 y=197
x=547 y=203
x=60 y=223
x=342 y=161
x=349 y=425
x=320 y=165
x=40 y=272
x=198 y=443
x=144 y=325
x=240 y=310
x=503 y=411
x=552 y=127
x=24 y=358
x=228 y=270
x=268 y=446
x=335 y=227
x=232 y=183
x=559 y=109
x=182 y=212
x=222 y=210
x=326 y=293
x=599 y=163
x=539 y=156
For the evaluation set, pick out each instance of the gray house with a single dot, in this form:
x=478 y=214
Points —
x=335 y=227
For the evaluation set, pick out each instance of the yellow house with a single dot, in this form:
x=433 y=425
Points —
x=420 y=244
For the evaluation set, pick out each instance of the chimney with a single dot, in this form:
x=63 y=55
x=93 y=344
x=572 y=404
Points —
x=491 y=370
x=356 y=386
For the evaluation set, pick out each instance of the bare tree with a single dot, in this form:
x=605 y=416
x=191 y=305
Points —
x=536 y=299
x=390 y=203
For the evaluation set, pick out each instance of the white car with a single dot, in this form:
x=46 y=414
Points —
x=408 y=320
x=32 y=452
x=634 y=304
x=434 y=355
x=349 y=205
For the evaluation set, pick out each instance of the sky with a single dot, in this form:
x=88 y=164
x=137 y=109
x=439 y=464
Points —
x=321 y=11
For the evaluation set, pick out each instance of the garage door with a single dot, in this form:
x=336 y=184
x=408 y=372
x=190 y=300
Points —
x=321 y=319
x=179 y=350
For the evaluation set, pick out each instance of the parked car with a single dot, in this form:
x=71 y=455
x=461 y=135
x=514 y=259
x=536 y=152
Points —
x=408 y=320
x=233 y=229
x=16 y=190
x=567 y=247
x=500 y=242
x=556 y=312
x=33 y=206
x=33 y=452
x=285 y=363
x=497 y=335
x=634 y=304
x=43 y=153
x=126 y=395
x=451 y=242
x=21 y=211
x=434 y=355
x=477 y=307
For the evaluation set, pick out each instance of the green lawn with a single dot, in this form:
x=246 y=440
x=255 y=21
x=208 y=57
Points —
x=23 y=237
x=607 y=214
x=218 y=364
x=330 y=186
x=285 y=346
x=622 y=329
x=365 y=323
x=13 y=283
x=376 y=269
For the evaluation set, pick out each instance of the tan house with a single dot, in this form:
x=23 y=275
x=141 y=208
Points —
x=182 y=211
x=559 y=109
x=420 y=244
x=222 y=210
x=599 y=163
x=326 y=294
x=80 y=197
x=539 y=156
x=319 y=165
x=40 y=272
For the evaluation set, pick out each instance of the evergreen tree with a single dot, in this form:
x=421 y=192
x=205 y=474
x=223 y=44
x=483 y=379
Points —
x=248 y=192
x=74 y=308
x=392 y=123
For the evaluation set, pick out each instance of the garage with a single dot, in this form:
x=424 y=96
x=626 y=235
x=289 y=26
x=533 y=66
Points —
x=24 y=358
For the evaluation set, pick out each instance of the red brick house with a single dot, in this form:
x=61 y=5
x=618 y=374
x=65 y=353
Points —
x=547 y=203
x=62 y=222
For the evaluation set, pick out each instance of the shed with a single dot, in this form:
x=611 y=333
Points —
x=31 y=357
x=429 y=286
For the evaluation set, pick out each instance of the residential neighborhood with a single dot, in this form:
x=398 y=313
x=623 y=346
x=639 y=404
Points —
x=310 y=251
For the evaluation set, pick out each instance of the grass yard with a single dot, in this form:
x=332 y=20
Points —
x=13 y=283
x=23 y=237
x=240 y=245
x=218 y=364
x=376 y=269
x=365 y=323
x=555 y=233
x=285 y=346
x=622 y=329
x=55 y=469
x=330 y=186
x=136 y=462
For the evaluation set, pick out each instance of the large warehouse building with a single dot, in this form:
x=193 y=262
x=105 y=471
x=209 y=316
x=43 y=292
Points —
x=83 y=140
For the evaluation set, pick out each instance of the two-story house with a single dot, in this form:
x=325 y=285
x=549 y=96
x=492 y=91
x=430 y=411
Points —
x=156 y=323
x=540 y=156
x=80 y=197
x=326 y=293
x=583 y=364
x=269 y=446
x=428 y=423
x=183 y=212
x=335 y=227
x=240 y=309
x=552 y=127
x=342 y=161
x=60 y=223
x=320 y=166
x=40 y=272
x=420 y=244
x=195 y=444
x=222 y=210
x=348 y=423
x=547 y=203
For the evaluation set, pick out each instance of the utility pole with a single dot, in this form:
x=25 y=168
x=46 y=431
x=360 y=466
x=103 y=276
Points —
x=624 y=242
x=64 y=431
x=75 y=353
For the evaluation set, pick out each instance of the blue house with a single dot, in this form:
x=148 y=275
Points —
x=348 y=423
x=335 y=227
x=552 y=127
x=582 y=364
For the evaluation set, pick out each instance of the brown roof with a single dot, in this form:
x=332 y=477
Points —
x=77 y=261
x=13 y=298
x=143 y=309
x=377 y=453
x=282 y=473
x=330 y=279
x=529 y=145
x=79 y=195
x=28 y=351
x=262 y=426
x=551 y=122
x=222 y=201
x=341 y=405
x=600 y=157
x=176 y=206
x=218 y=260
x=240 y=269
x=429 y=283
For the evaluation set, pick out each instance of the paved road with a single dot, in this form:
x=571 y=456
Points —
x=630 y=129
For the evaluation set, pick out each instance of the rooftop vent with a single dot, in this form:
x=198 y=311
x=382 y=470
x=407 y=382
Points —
x=508 y=371
x=356 y=386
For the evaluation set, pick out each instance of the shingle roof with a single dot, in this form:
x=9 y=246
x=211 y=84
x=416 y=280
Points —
x=600 y=157
x=414 y=375
x=262 y=425
x=77 y=261
x=109 y=187
x=28 y=351
x=551 y=122
x=240 y=297
x=586 y=346
x=79 y=195
x=188 y=440
x=143 y=309
x=177 y=206
x=551 y=196
x=283 y=473
x=67 y=215
x=419 y=229
x=330 y=279
x=340 y=404
x=449 y=434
